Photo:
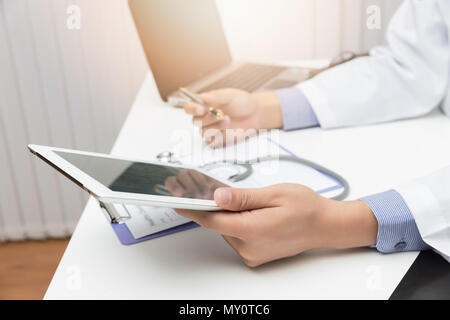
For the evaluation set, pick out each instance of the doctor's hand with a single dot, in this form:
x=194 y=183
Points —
x=284 y=220
x=244 y=113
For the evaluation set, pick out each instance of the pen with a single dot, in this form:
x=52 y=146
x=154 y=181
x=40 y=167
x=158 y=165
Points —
x=195 y=98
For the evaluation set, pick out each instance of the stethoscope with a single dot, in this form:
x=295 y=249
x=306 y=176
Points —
x=243 y=170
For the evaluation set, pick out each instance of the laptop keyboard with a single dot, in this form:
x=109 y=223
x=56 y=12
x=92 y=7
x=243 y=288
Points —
x=249 y=77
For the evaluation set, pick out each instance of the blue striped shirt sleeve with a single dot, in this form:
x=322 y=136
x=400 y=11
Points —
x=397 y=229
x=296 y=110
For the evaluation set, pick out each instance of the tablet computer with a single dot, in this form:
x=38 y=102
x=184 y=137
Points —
x=112 y=179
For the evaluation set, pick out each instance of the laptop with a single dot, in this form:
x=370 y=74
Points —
x=185 y=46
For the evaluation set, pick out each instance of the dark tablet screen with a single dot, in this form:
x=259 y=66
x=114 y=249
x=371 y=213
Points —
x=144 y=178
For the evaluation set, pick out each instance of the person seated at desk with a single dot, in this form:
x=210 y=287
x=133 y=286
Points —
x=408 y=78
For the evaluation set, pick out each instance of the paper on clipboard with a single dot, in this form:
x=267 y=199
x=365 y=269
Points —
x=265 y=173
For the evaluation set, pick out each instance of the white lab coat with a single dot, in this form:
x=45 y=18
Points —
x=408 y=78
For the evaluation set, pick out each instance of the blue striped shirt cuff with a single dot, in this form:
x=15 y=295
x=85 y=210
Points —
x=296 y=109
x=397 y=229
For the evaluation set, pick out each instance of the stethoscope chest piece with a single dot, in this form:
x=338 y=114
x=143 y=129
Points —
x=167 y=157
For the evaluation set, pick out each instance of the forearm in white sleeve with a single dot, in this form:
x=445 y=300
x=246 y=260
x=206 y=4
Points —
x=407 y=78
x=428 y=199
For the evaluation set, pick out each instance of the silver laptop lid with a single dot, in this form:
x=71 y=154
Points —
x=183 y=40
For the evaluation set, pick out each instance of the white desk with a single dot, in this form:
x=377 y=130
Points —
x=198 y=264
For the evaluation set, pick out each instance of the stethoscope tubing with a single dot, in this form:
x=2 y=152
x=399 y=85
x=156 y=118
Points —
x=249 y=170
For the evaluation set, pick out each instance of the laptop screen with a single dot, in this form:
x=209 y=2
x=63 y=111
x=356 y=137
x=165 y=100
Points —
x=183 y=40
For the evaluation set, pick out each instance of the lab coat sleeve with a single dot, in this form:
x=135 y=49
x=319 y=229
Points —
x=406 y=78
x=296 y=110
x=428 y=198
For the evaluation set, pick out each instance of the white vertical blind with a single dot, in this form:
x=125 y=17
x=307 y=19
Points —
x=73 y=88
x=61 y=87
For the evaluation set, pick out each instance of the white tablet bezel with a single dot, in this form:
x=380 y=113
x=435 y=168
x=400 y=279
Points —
x=106 y=195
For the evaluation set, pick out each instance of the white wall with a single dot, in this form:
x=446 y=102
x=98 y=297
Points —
x=73 y=88
x=301 y=29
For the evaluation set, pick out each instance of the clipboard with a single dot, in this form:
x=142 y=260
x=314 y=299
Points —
x=125 y=236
